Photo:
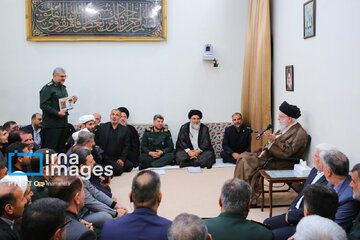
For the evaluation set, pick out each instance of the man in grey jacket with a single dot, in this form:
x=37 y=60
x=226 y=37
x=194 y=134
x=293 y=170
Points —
x=96 y=201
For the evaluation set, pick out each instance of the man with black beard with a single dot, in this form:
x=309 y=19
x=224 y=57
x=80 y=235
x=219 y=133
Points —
x=289 y=141
x=134 y=149
x=114 y=139
x=237 y=139
x=193 y=146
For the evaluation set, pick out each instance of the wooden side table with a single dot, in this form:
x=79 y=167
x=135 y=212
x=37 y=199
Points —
x=276 y=176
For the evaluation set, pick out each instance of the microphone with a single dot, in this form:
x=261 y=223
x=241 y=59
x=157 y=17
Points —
x=252 y=130
x=262 y=132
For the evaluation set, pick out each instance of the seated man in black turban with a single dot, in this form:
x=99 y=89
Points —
x=193 y=146
x=134 y=149
x=289 y=141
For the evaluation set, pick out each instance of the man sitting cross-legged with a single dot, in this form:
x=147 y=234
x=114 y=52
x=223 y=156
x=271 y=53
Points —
x=157 y=146
x=193 y=146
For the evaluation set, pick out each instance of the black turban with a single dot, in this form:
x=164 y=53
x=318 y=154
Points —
x=290 y=110
x=195 y=112
x=124 y=110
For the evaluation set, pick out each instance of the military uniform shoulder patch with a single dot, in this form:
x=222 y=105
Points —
x=166 y=130
x=148 y=129
x=50 y=83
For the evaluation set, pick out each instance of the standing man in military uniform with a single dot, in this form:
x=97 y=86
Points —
x=54 y=121
x=157 y=146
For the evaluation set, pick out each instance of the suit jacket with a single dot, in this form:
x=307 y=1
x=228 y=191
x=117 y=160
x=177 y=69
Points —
x=294 y=214
x=290 y=144
x=76 y=230
x=101 y=139
x=348 y=206
x=6 y=233
x=96 y=200
x=143 y=223
x=183 y=141
x=243 y=143
x=228 y=226
x=31 y=129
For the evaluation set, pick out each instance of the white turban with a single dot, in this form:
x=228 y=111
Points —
x=21 y=181
x=75 y=135
x=86 y=118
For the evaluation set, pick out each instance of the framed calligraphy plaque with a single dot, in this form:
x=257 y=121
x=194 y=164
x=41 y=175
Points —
x=96 y=20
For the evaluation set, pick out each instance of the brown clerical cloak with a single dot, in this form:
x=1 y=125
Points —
x=290 y=144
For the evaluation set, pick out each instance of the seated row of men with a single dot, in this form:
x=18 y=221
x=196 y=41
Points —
x=118 y=145
x=57 y=215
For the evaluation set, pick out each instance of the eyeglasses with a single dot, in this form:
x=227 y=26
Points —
x=64 y=224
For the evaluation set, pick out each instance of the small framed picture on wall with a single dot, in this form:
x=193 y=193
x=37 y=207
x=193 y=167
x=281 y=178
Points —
x=309 y=19
x=289 y=78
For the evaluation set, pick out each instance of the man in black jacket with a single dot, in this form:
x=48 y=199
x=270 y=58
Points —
x=71 y=189
x=113 y=138
x=237 y=139
x=36 y=130
x=12 y=203
x=193 y=146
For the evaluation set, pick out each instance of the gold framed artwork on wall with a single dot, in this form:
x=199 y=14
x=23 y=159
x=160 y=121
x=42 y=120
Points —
x=96 y=20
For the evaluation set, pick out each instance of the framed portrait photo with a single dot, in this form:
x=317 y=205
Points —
x=309 y=19
x=289 y=78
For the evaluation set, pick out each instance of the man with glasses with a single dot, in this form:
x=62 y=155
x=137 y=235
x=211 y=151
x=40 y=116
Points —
x=288 y=141
x=54 y=120
x=284 y=225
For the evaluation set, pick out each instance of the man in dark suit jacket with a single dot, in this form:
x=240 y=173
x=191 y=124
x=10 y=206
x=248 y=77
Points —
x=193 y=145
x=237 y=139
x=113 y=138
x=36 y=130
x=143 y=223
x=71 y=190
x=336 y=170
x=12 y=206
x=284 y=225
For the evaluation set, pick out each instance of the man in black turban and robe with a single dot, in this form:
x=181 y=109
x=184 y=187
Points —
x=193 y=146
x=289 y=141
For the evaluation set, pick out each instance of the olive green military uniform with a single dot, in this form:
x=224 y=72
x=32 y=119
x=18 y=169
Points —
x=54 y=126
x=355 y=230
x=153 y=141
x=39 y=186
x=228 y=226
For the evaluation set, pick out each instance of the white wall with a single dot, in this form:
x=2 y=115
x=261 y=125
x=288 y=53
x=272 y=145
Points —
x=326 y=70
x=147 y=77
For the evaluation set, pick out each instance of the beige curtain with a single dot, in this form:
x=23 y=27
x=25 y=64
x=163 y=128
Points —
x=256 y=88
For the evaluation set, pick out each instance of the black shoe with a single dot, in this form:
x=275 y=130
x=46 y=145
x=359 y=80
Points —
x=185 y=164
x=143 y=166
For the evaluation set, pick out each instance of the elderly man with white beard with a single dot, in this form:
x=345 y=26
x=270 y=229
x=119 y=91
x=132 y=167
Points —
x=193 y=146
x=289 y=141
